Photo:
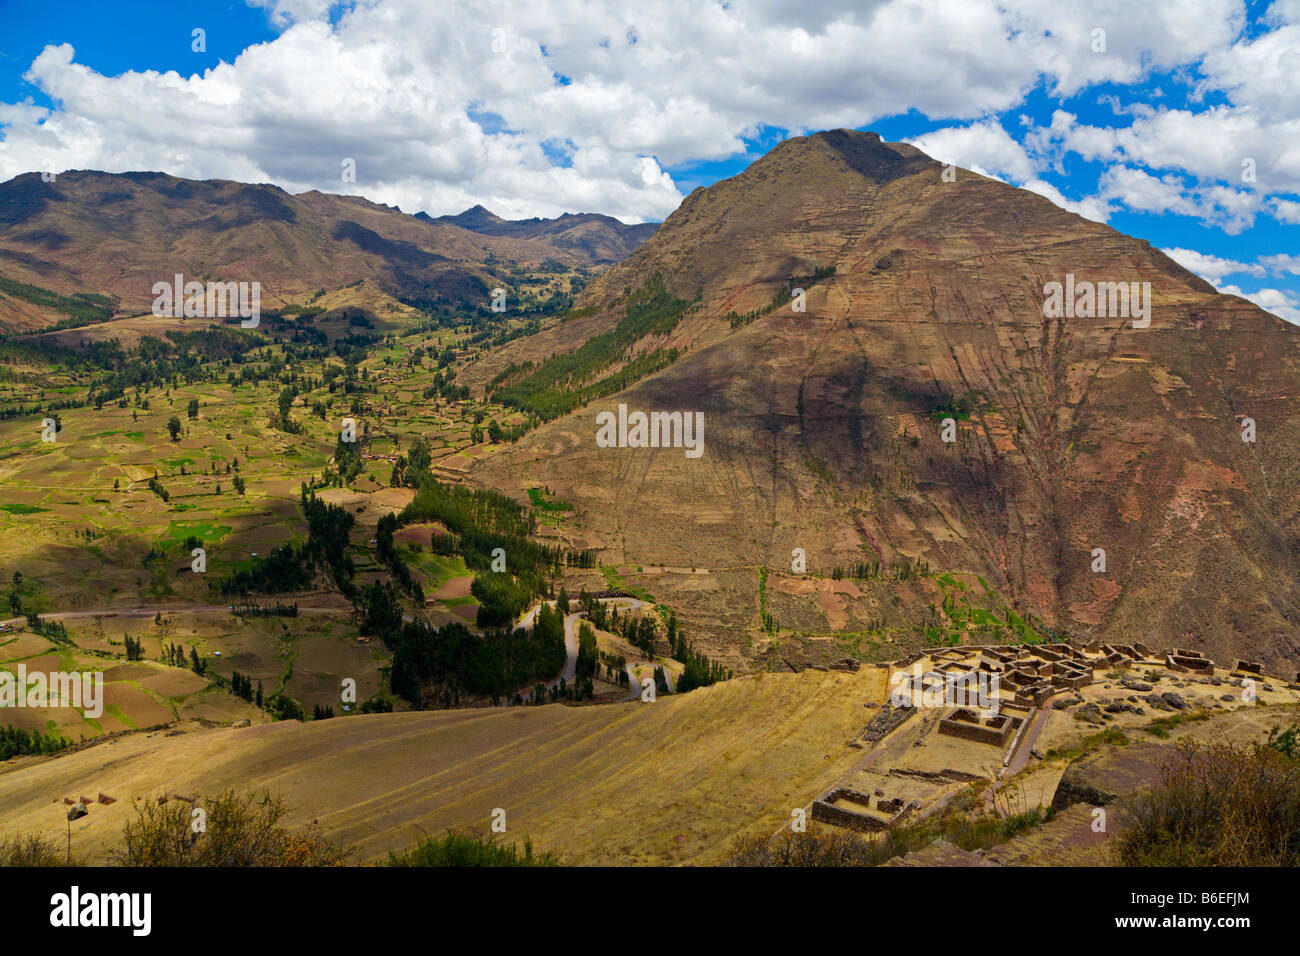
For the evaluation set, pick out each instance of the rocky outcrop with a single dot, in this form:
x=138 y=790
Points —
x=1101 y=777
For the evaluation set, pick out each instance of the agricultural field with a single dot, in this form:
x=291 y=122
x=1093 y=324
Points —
x=100 y=519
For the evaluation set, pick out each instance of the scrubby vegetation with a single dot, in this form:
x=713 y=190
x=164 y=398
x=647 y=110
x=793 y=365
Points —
x=1218 y=804
x=783 y=296
x=238 y=829
x=31 y=850
x=80 y=309
x=458 y=849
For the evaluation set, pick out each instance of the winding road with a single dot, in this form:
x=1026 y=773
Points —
x=571 y=636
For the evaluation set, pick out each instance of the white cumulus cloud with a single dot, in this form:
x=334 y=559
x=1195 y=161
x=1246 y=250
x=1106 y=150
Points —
x=567 y=105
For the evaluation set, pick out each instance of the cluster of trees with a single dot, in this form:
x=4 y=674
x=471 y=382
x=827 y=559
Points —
x=615 y=668
x=876 y=570
x=284 y=707
x=388 y=554
x=347 y=461
x=661 y=680
x=156 y=487
x=435 y=667
x=444 y=386
x=289 y=568
x=16 y=742
x=277 y=609
x=377 y=704
x=502 y=598
x=588 y=661
x=18 y=411
x=20 y=592
x=322 y=713
x=498 y=433
x=597 y=613
x=174 y=654
x=566 y=381
x=440 y=543
x=505 y=333
x=411 y=468
x=80 y=308
x=640 y=632
x=948 y=406
x=700 y=670
x=484 y=521
x=189 y=357
x=281 y=570
x=783 y=296
x=284 y=404
x=134 y=648
x=241 y=685
x=588 y=653
x=637 y=631
x=440 y=312
x=54 y=630
x=327 y=539
x=379 y=608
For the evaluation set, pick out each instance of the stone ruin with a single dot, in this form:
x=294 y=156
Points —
x=1070 y=674
x=944 y=776
x=1182 y=661
x=887 y=719
x=1032 y=673
x=853 y=809
x=970 y=725
x=886 y=813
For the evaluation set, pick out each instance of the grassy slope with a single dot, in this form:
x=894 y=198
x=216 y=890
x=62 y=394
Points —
x=663 y=783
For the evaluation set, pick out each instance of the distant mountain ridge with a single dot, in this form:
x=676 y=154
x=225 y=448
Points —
x=118 y=233
x=602 y=238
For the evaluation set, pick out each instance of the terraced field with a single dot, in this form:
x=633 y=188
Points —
x=664 y=783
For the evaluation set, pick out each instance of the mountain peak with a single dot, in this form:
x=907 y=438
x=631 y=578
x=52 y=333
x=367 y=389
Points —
x=921 y=300
x=474 y=218
x=863 y=152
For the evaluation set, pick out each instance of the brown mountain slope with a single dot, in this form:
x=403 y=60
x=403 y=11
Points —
x=120 y=233
x=823 y=427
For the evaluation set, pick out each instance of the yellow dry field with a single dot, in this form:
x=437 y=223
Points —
x=665 y=783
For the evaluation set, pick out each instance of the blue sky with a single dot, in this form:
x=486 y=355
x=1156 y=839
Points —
x=112 y=38
x=1141 y=116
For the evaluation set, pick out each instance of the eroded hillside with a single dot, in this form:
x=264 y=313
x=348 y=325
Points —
x=824 y=428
